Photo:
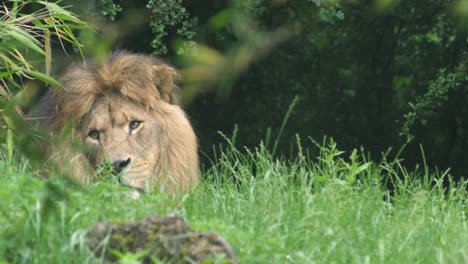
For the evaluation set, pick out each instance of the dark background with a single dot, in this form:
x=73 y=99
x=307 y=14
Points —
x=368 y=73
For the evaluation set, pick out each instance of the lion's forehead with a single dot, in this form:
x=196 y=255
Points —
x=113 y=112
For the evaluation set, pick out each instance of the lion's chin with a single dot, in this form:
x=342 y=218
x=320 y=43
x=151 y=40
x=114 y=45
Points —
x=134 y=194
x=137 y=183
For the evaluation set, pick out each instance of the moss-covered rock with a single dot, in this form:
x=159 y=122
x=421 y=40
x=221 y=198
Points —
x=165 y=238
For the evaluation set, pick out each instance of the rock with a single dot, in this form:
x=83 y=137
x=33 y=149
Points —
x=165 y=238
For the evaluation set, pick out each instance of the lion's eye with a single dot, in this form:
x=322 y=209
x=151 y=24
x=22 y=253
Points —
x=134 y=124
x=94 y=134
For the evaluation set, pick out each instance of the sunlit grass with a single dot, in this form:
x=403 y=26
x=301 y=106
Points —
x=333 y=208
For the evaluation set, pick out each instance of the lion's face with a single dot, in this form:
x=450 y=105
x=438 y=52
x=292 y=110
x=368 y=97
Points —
x=124 y=134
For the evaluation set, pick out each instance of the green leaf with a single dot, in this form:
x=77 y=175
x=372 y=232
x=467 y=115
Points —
x=43 y=77
x=6 y=74
x=361 y=168
x=26 y=40
x=60 y=12
x=7 y=62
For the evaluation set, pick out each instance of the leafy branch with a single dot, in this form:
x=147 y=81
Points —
x=24 y=33
x=436 y=95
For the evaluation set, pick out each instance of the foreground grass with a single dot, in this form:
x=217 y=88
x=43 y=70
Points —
x=331 y=210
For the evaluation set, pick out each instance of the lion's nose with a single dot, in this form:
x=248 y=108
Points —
x=119 y=165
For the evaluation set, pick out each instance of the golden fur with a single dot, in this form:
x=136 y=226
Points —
x=106 y=101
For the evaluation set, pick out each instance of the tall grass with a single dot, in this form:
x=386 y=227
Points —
x=330 y=209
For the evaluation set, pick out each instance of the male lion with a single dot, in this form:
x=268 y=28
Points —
x=127 y=112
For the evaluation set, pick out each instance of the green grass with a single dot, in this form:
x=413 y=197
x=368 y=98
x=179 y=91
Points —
x=330 y=209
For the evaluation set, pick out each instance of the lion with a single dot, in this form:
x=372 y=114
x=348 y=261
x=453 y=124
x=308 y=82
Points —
x=127 y=113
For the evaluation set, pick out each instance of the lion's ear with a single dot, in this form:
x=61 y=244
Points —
x=165 y=78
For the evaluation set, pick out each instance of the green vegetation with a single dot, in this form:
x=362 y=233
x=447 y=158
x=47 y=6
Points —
x=331 y=209
x=27 y=29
